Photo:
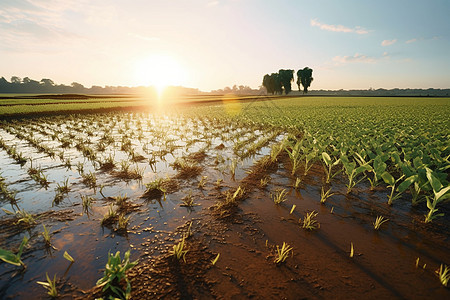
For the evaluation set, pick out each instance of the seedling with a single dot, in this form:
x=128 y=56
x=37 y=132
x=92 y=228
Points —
x=178 y=250
x=283 y=253
x=309 y=221
x=325 y=195
x=86 y=201
x=46 y=236
x=110 y=216
x=292 y=209
x=122 y=222
x=378 y=221
x=279 y=196
x=89 y=179
x=264 y=181
x=188 y=200
x=444 y=275
x=202 y=182
x=14 y=259
x=115 y=272
x=297 y=183
x=50 y=285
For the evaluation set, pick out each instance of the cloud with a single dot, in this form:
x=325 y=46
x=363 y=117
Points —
x=411 y=41
x=388 y=42
x=338 y=28
x=357 y=58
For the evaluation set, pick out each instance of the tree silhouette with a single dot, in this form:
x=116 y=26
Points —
x=305 y=78
x=286 y=77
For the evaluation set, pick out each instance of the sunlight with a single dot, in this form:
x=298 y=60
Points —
x=159 y=71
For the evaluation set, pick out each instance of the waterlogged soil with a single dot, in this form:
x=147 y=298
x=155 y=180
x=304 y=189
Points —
x=397 y=261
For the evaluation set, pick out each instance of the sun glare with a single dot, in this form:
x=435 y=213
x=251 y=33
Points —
x=159 y=71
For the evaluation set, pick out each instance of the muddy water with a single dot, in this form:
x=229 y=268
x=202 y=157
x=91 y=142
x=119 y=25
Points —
x=152 y=223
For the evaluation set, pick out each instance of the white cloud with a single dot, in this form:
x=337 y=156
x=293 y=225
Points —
x=338 y=28
x=388 y=42
x=357 y=58
x=411 y=41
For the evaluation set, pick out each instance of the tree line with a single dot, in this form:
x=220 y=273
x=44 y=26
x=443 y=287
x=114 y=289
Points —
x=277 y=83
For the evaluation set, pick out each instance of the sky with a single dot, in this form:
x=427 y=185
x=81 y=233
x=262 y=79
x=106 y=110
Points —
x=206 y=44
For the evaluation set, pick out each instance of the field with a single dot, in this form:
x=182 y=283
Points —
x=242 y=198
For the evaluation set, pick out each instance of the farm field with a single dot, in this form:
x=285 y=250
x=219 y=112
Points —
x=273 y=198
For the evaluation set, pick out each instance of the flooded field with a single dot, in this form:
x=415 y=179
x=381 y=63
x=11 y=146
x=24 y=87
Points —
x=144 y=182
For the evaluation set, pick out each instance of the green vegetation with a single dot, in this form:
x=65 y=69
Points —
x=378 y=221
x=50 y=286
x=115 y=272
x=178 y=250
x=14 y=259
x=282 y=253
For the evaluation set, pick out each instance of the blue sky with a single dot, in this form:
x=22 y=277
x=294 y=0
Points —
x=212 y=44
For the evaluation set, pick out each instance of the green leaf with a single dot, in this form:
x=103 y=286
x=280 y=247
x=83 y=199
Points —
x=362 y=168
x=442 y=194
x=434 y=181
x=408 y=181
x=68 y=257
x=9 y=257
x=388 y=178
x=326 y=158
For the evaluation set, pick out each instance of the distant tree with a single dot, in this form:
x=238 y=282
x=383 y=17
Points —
x=16 y=80
x=305 y=78
x=47 y=82
x=268 y=84
x=286 y=77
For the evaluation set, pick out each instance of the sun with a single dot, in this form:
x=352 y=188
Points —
x=159 y=71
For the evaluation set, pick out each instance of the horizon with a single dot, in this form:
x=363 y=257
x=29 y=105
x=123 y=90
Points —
x=210 y=45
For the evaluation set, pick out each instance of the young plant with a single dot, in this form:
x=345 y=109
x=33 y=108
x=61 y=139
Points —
x=14 y=259
x=188 y=200
x=283 y=253
x=292 y=209
x=68 y=257
x=179 y=251
x=115 y=272
x=389 y=179
x=325 y=195
x=440 y=194
x=110 y=216
x=351 y=249
x=279 y=196
x=297 y=183
x=444 y=275
x=328 y=166
x=309 y=221
x=23 y=217
x=46 y=236
x=264 y=181
x=50 y=285
x=202 y=182
x=89 y=179
x=122 y=223
x=352 y=172
x=86 y=201
x=378 y=221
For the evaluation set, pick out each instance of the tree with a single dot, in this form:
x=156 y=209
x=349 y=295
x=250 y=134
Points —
x=286 y=77
x=268 y=83
x=305 y=78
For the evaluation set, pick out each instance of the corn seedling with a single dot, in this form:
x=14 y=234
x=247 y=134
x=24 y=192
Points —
x=440 y=192
x=309 y=221
x=233 y=166
x=115 y=272
x=122 y=222
x=86 y=201
x=14 y=259
x=50 y=286
x=279 y=196
x=389 y=179
x=352 y=172
x=89 y=179
x=325 y=195
x=202 y=182
x=178 y=250
x=188 y=200
x=283 y=253
x=328 y=166
x=110 y=216
x=46 y=236
x=444 y=275
x=214 y=261
x=219 y=183
x=378 y=221
x=264 y=181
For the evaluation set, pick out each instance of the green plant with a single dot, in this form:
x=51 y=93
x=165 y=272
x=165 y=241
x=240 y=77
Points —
x=50 y=285
x=283 y=253
x=202 y=182
x=23 y=217
x=179 y=251
x=440 y=193
x=115 y=272
x=378 y=221
x=87 y=201
x=89 y=179
x=292 y=209
x=297 y=183
x=309 y=221
x=122 y=222
x=68 y=257
x=46 y=236
x=325 y=195
x=444 y=275
x=110 y=216
x=328 y=166
x=14 y=259
x=263 y=182
x=279 y=196
x=188 y=200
